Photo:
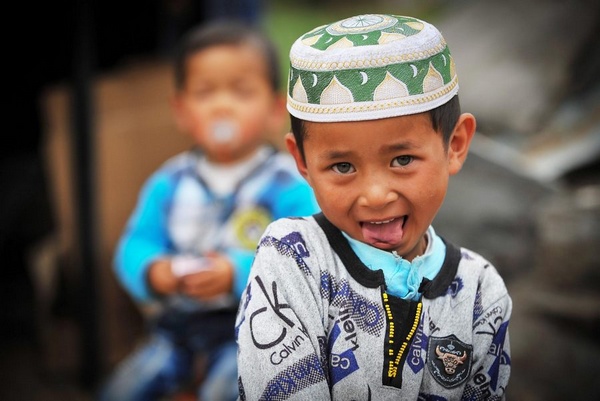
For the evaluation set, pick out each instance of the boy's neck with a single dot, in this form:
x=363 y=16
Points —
x=223 y=178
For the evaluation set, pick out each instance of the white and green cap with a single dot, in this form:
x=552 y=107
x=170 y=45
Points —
x=368 y=67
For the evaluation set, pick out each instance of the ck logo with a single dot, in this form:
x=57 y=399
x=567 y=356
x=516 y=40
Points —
x=279 y=332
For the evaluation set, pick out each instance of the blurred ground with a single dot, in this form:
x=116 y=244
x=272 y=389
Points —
x=528 y=197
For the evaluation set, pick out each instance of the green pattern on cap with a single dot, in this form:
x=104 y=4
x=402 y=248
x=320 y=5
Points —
x=368 y=67
x=362 y=30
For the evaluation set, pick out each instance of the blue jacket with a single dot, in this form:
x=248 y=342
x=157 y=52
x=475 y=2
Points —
x=177 y=213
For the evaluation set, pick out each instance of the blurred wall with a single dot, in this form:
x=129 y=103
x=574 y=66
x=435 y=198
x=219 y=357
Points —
x=134 y=134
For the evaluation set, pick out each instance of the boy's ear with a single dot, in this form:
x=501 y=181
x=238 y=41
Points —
x=292 y=147
x=179 y=114
x=278 y=115
x=458 y=147
x=276 y=120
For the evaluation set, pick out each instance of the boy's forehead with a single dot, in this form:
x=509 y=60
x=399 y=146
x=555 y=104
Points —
x=369 y=67
x=244 y=47
x=244 y=53
x=415 y=128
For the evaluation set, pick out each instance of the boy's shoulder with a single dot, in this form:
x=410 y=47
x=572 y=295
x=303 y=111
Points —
x=279 y=170
x=298 y=231
x=478 y=272
x=284 y=226
x=180 y=161
x=170 y=171
x=174 y=166
x=471 y=259
x=188 y=159
x=283 y=161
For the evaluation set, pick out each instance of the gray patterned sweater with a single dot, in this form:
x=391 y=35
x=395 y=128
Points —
x=314 y=323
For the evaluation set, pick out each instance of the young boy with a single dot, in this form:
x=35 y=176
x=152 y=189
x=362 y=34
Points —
x=365 y=301
x=190 y=242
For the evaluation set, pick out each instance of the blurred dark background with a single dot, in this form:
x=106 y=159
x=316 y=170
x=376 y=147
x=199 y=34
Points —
x=87 y=89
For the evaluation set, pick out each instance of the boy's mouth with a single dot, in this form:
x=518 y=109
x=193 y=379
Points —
x=224 y=131
x=388 y=231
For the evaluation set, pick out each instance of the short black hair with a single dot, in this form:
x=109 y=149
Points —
x=443 y=119
x=225 y=32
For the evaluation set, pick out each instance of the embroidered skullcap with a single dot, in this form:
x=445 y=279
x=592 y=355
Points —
x=368 y=67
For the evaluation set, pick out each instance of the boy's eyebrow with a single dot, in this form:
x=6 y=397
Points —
x=400 y=146
x=337 y=154
x=395 y=147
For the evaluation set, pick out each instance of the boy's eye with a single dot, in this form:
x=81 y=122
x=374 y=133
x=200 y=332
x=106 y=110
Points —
x=343 y=168
x=244 y=89
x=402 y=161
x=201 y=92
x=245 y=92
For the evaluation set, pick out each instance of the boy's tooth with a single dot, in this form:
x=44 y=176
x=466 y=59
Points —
x=382 y=222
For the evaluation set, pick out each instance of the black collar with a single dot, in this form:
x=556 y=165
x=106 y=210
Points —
x=374 y=278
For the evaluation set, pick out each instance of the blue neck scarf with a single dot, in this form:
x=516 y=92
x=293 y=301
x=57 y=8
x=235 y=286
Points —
x=402 y=277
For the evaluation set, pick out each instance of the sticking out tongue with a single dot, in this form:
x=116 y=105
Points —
x=390 y=233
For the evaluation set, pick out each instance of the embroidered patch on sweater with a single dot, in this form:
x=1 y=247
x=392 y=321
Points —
x=449 y=360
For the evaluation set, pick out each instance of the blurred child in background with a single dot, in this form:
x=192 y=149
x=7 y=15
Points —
x=190 y=242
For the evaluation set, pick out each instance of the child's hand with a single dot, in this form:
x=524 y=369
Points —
x=215 y=280
x=161 y=277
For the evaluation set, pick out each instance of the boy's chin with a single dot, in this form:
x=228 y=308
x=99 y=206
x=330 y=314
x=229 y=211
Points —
x=225 y=157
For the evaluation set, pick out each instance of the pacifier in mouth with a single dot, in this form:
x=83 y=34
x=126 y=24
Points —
x=224 y=130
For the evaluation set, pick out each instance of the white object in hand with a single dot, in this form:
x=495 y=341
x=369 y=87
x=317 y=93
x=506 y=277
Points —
x=184 y=265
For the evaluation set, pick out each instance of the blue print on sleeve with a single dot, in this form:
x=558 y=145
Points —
x=478 y=307
x=300 y=375
x=296 y=241
x=455 y=287
x=292 y=246
x=342 y=364
x=430 y=397
x=367 y=314
x=502 y=358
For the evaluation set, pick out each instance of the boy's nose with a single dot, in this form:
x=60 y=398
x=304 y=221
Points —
x=377 y=194
x=222 y=102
